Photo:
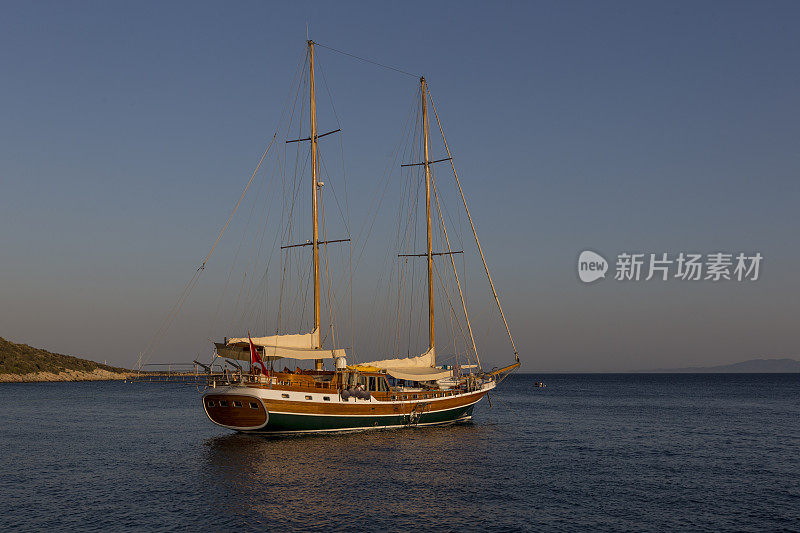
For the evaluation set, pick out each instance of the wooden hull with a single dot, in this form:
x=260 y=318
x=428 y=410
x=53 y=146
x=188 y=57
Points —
x=258 y=410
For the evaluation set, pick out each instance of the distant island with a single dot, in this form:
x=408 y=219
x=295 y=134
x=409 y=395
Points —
x=22 y=363
x=753 y=366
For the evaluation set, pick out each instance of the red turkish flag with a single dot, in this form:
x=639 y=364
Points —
x=254 y=357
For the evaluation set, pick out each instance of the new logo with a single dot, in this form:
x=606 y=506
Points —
x=591 y=266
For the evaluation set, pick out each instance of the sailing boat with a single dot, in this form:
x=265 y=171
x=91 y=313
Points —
x=385 y=393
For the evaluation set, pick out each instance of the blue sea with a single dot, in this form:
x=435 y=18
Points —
x=593 y=452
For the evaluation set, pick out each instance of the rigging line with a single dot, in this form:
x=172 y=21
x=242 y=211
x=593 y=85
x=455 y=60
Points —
x=413 y=210
x=269 y=262
x=251 y=303
x=474 y=232
x=242 y=197
x=390 y=258
x=379 y=196
x=368 y=61
x=254 y=288
x=407 y=295
x=303 y=284
x=289 y=108
x=447 y=297
x=286 y=209
x=272 y=251
x=248 y=299
x=246 y=310
x=286 y=107
x=346 y=217
x=238 y=298
x=410 y=237
x=250 y=258
x=324 y=170
x=455 y=273
x=331 y=310
x=236 y=207
x=330 y=96
x=167 y=322
x=298 y=182
x=297 y=179
x=178 y=305
x=352 y=323
x=262 y=232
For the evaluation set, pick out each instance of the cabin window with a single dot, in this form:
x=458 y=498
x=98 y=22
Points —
x=210 y=403
x=223 y=403
x=371 y=385
x=326 y=398
x=394 y=398
x=284 y=395
x=308 y=397
x=253 y=405
x=414 y=396
x=237 y=404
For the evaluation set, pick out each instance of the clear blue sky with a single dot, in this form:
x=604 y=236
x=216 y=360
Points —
x=129 y=129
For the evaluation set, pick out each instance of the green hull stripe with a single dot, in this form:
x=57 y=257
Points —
x=290 y=422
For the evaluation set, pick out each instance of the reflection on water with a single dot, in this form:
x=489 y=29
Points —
x=383 y=478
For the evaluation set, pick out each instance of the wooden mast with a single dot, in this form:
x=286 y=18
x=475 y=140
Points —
x=315 y=186
x=431 y=333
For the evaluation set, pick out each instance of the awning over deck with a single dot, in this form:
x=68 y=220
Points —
x=242 y=353
x=304 y=340
x=302 y=346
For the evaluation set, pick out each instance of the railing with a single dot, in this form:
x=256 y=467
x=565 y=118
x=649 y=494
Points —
x=227 y=377
x=174 y=372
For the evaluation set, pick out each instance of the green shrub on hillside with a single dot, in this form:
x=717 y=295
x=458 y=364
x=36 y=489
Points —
x=23 y=359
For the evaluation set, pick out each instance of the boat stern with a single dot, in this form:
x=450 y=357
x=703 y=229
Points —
x=241 y=412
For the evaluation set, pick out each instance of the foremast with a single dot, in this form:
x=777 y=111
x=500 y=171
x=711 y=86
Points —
x=427 y=163
x=315 y=186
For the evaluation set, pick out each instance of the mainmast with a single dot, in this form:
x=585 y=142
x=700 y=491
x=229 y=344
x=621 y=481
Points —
x=431 y=333
x=315 y=186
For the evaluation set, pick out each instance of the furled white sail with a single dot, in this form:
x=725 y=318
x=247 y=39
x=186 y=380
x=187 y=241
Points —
x=419 y=374
x=418 y=368
x=304 y=340
x=422 y=361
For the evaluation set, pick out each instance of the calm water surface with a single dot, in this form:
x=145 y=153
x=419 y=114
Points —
x=599 y=452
